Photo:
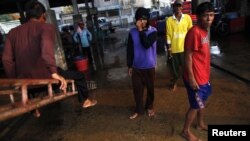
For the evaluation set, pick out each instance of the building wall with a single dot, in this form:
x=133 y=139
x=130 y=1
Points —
x=118 y=11
x=106 y=4
x=244 y=8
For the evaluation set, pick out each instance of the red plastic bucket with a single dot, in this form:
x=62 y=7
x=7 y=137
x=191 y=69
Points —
x=81 y=64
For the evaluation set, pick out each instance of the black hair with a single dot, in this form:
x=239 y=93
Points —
x=142 y=12
x=34 y=9
x=204 y=7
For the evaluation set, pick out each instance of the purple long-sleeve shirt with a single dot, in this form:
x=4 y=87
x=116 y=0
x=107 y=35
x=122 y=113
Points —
x=29 y=51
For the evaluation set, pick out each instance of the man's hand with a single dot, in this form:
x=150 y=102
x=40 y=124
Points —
x=193 y=84
x=139 y=25
x=170 y=54
x=169 y=50
x=61 y=79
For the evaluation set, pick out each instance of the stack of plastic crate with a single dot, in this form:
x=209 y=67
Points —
x=187 y=9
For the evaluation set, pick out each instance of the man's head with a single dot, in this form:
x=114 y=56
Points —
x=205 y=14
x=178 y=2
x=143 y=15
x=35 y=9
x=81 y=24
x=177 y=6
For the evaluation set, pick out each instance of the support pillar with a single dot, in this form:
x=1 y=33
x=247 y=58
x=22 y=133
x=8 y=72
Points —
x=90 y=25
x=21 y=12
x=59 y=52
x=77 y=17
x=75 y=7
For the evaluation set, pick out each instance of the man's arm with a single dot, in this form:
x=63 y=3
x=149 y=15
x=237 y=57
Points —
x=89 y=35
x=130 y=54
x=48 y=55
x=168 y=36
x=189 y=65
x=47 y=47
x=147 y=41
x=8 y=59
x=75 y=37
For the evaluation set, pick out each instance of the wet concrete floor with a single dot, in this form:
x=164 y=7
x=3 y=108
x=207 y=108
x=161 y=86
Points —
x=108 y=121
x=234 y=55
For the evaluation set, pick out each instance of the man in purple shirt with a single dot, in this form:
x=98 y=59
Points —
x=141 y=62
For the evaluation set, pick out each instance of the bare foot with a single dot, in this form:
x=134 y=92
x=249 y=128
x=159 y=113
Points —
x=190 y=137
x=89 y=103
x=135 y=115
x=202 y=127
x=173 y=87
x=151 y=112
x=36 y=113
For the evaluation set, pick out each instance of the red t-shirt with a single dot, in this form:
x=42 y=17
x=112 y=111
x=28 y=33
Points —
x=198 y=41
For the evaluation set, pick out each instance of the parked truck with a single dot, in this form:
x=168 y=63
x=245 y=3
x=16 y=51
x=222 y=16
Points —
x=105 y=25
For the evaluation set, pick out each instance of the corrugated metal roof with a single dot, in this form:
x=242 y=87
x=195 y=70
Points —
x=11 y=6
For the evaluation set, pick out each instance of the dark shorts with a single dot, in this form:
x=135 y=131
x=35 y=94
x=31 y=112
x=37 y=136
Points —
x=197 y=98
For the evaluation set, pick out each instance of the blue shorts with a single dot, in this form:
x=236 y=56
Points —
x=197 y=98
